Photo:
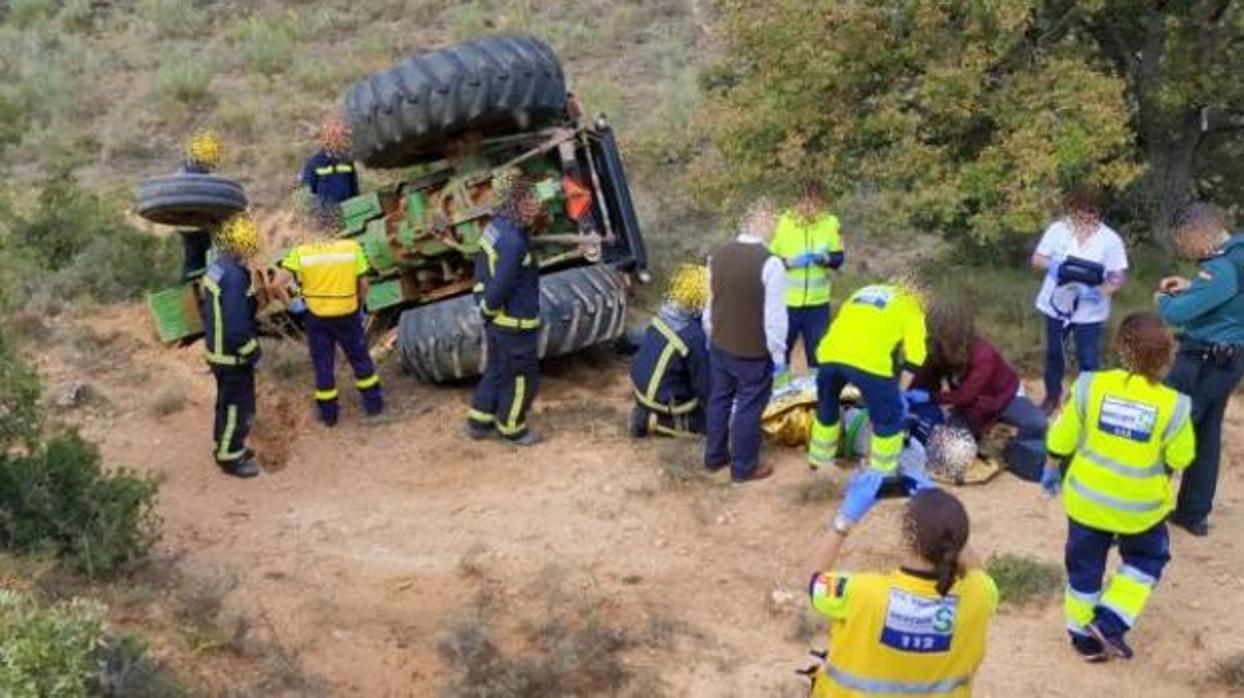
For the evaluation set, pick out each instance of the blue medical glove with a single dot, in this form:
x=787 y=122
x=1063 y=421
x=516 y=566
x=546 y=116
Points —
x=1051 y=479
x=912 y=473
x=806 y=259
x=298 y=306
x=916 y=396
x=1052 y=271
x=821 y=258
x=861 y=495
x=781 y=375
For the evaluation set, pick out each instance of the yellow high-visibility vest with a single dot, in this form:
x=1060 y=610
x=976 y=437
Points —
x=875 y=326
x=1124 y=431
x=892 y=634
x=328 y=273
x=806 y=286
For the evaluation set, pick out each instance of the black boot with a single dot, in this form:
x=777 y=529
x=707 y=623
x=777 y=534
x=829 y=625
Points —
x=639 y=422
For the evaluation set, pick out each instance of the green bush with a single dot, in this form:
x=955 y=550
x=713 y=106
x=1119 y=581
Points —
x=49 y=652
x=19 y=403
x=59 y=497
x=267 y=46
x=64 y=651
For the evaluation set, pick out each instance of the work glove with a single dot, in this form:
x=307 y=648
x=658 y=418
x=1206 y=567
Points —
x=1051 y=479
x=915 y=396
x=806 y=259
x=860 y=496
x=781 y=375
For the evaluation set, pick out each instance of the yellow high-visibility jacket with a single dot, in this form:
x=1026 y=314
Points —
x=328 y=273
x=1123 y=433
x=892 y=634
x=878 y=327
x=806 y=286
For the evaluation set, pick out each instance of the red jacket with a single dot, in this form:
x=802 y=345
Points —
x=987 y=386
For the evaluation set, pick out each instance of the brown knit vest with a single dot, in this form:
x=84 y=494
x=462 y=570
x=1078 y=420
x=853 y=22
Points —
x=739 y=300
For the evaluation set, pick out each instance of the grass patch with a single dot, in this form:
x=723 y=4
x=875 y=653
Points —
x=1229 y=672
x=185 y=81
x=267 y=46
x=1023 y=578
x=681 y=464
x=169 y=398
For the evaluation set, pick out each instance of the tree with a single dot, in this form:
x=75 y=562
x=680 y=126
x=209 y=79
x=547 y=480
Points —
x=962 y=117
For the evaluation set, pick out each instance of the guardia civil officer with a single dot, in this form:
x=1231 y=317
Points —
x=1209 y=312
x=1121 y=435
x=507 y=290
x=232 y=344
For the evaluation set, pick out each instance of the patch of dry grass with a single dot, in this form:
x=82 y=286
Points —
x=1228 y=672
x=169 y=398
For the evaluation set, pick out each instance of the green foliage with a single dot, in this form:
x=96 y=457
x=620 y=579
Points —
x=50 y=652
x=59 y=497
x=937 y=108
x=267 y=46
x=75 y=243
x=25 y=13
x=20 y=420
x=186 y=81
x=173 y=18
x=63 y=651
x=1022 y=578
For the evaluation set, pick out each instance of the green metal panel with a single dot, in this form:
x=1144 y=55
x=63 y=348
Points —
x=384 y=294
x=356 y=212
x=375 y=243
x=416 y=203
x=176 y=313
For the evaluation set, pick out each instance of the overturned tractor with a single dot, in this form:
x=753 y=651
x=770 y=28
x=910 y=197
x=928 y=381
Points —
x=453 y=120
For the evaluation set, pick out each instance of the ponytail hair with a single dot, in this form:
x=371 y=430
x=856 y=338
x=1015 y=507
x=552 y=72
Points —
x=937 y=529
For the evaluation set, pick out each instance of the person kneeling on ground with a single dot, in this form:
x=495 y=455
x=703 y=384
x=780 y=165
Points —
x=919 y=630
x=670 y=370
x=232 y=343
x=967 y=376
x=1122 y=432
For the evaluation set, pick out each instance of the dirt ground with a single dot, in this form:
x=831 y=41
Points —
x=361 y=543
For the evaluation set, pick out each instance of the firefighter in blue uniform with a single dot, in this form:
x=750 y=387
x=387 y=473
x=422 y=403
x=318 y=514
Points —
x=507 y=290
x=329 y=174
x=670 y=369
x=202 y=157
x=232 y=345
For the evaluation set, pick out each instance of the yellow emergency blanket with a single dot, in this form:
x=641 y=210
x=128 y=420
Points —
x=787 y=421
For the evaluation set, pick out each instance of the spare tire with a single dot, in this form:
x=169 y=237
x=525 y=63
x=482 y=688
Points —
x=579 y=307
x=189 y=199
x=493 y=86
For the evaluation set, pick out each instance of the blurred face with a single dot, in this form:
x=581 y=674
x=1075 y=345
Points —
x=1197 y=242
x=532 y=213
x=1085 y=219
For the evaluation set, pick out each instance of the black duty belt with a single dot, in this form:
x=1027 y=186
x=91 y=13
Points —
x=1207 y=351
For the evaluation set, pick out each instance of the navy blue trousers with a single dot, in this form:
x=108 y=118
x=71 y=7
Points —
x=235 y=411
x=743 y=385
x=510 y=381
x=1087 y=338
x=809 y=322
x=1209 y=383
x=324 y=335
x=880 y=395
x=1085 y=556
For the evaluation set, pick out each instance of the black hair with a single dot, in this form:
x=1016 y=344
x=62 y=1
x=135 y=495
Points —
x=937 y=527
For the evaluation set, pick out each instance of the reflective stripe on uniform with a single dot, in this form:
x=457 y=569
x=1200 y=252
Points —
x=490 y=252
x=345 y=168
x=1112 y=502
x=823 y=444
x=1183 y=410
x=321 y=171
x=479 y=416
x=1118 y=468
x=369 y=382
x=1078 y=609
x=509 y=321
x=511 y=425
x=310 y=260
x=674 y=409
x=326 y=395
x=866 y=685
x=884 y=451
x=797 y=276
x=231 y=424
x=859 y=419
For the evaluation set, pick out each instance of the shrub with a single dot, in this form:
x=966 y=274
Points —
x=48 y=652
x=173 y=18
x=267 y=46
x=1022 y=578
x=58 y=497
x=185 y=81
x=27 y=13
x=19 y=403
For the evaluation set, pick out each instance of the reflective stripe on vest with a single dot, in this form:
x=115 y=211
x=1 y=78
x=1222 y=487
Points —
x=1118 y=468
x=1092 y=495
x=866 y=685
x=322 y=171
x=500 y=318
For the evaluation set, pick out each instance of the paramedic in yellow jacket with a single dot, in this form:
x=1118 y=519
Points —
x=330 y=274
x=1123 y=432
x=918 y=630
x=875 y=342
x=808 y=241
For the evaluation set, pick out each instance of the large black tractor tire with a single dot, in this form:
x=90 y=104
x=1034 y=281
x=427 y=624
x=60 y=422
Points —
x=494 y=86
x=578 y=307
x=189 y=199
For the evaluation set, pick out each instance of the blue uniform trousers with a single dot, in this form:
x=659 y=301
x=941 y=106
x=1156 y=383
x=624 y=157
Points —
x=1209 y=381
x=880 y=395
x=742 y=386
x=1087 y=548
x=1087 y=337
x=324 y=335
x=510 y=381
x=809 y=322
x=235 y=411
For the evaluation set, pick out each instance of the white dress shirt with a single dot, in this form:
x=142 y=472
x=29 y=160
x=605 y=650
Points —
x=773 y=276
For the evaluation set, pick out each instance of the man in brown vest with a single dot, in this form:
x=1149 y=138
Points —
x=746 y=325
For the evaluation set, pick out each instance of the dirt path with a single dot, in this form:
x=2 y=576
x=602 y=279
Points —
x=370 y=539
